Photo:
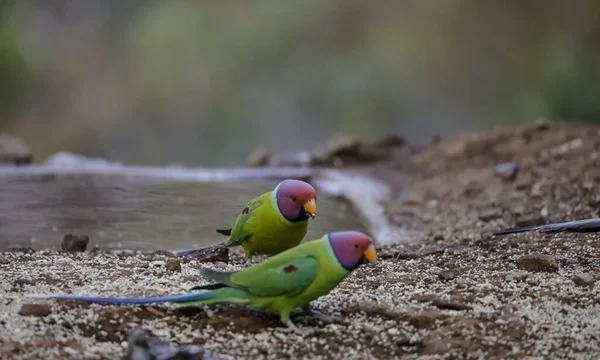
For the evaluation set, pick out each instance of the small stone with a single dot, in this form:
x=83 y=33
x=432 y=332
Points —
x=211 y=254
x=37 y=310
x=142 y=345
x=342 y=144
x=393 y=331
x=449 y=274
x=489 y=215
x=75 y=243
x=584 y=279
x=507 y=171
x=424 y=297
x=450 y=304
x=389 y=141
x=8 y=348
x=173 y=265
x=14 y=151
x=536 y=190
x=158 y=263
x=261 y=336
x=423 y=319
x=220 y=264
x=258 y=158
x=537 y=263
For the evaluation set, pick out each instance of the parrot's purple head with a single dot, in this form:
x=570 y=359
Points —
x=296 y=200
x=352 y=248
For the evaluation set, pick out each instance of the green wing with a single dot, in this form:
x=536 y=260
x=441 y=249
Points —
x=289 y=279
x=240 y=229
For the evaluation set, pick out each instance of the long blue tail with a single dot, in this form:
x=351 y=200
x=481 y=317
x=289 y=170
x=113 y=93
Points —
x=198 y=296
x=188 y=251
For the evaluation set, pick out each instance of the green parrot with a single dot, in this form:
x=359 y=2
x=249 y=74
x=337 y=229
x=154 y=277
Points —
x=282 y=283
x=272 y=222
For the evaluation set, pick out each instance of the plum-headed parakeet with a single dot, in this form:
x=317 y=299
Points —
x=282 y=283
x=272 y=222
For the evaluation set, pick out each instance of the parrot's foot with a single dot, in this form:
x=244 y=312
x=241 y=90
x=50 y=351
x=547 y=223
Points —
x=291 y=327
x=309 y=313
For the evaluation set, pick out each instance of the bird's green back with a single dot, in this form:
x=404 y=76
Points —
x=261 y=228
x=288 y=280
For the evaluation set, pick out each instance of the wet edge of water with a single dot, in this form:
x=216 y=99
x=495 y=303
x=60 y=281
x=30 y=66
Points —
x=363 y=193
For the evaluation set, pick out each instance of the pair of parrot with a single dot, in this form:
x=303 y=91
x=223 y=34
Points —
x=274 y=224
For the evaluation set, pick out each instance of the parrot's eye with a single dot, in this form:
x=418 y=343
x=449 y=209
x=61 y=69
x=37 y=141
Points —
x=356 y=246
x=293 y=198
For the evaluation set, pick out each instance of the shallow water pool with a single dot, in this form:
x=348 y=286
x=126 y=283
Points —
x=119 y=212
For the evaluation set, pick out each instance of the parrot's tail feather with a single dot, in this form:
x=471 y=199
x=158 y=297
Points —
x=209 y=287
x=183 y=298
x=514 y=230
x=192 y=250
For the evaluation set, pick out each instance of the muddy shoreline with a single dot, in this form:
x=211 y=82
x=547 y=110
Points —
x=453 y=291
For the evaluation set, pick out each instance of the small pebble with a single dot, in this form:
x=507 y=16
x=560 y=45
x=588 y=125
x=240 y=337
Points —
x=36 y=310
x=537 y=263
x=75 y=243
x=507 y=171
x=173 y=265
x=584 y=279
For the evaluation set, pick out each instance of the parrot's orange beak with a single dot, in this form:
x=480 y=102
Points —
x=311 y=207
x=371 y=254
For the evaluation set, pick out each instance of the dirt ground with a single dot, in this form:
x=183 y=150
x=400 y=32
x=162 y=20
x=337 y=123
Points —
x=455 y=292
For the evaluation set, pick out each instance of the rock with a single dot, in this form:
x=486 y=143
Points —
x=258 y=158
x=292 y=158
x=163 y=253
x=211 y=254
x=449 y=304
x=340 y=146
x=14 y=151
x=75 y=243
x=507 y=171
x=142 y=346
x=489 y=215
x=173 y=265
x=261 y=336
x=584 y=279
x=537 y=263
x=7 y=349
x=37 y=310
x=423 y=319
x=22 y=249
x=390 y=141
x=449 y=274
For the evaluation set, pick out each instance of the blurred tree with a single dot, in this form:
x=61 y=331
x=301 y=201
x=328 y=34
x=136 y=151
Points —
x=14 y=75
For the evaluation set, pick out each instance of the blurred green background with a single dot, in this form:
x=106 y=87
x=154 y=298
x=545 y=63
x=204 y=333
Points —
x=207 y=82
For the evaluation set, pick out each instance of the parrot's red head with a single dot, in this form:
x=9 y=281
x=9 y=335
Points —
x=352 y=248
x=296 y=200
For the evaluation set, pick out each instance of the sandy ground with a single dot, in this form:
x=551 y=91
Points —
x=456 y=291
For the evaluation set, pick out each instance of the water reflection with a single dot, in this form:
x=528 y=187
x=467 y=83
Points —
x=136 y=213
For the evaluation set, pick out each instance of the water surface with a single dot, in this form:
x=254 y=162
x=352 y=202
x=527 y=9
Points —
x=119 y=212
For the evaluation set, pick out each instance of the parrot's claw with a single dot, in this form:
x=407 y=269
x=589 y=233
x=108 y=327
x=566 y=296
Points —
x=309 y=313
x=291 y=327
